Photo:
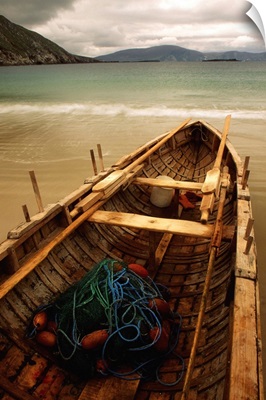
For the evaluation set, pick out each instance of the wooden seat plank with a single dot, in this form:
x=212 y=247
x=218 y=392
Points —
x=166 y=225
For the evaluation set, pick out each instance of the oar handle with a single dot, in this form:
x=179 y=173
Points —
x=219 y=156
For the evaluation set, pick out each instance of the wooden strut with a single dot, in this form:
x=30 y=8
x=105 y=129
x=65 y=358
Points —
x=213 y=252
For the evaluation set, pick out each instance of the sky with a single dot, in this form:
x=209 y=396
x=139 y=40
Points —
x=97 y=27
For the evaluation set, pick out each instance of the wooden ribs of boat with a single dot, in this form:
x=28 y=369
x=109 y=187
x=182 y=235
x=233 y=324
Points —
x=201 y=248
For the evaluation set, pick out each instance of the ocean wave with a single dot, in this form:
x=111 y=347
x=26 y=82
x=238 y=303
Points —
x=128 y=110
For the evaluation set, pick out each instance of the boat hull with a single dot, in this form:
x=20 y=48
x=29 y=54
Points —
x=209 y=273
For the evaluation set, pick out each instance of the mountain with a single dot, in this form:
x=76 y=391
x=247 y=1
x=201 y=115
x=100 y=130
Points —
x=157 y=53
x=20 y=46
x=177 y=53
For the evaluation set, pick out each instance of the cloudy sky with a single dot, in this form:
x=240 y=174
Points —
x=96 y=27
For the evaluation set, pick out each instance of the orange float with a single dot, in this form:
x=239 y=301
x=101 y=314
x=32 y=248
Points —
x=139 y=270
x=47 y=339
x=159 y=305
x=161 y=338
x=94 y=339
x=40 y=320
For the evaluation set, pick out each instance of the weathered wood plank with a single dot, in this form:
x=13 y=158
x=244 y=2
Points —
x=167 y=225
x=244 y=362
x=259 y=343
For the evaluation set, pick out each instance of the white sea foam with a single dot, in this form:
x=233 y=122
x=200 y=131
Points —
x=115 y=109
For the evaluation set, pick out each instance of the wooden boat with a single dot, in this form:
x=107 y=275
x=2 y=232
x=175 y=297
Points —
x=197 y=248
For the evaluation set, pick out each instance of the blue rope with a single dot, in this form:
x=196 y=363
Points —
x=124 y=297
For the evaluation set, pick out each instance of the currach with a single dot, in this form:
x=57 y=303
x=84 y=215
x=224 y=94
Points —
x=141 y=284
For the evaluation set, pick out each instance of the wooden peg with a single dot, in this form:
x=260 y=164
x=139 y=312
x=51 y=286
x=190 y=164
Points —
x=249 y=228
x=94 y=166
x=249 y=244
x=100 y=157
x=36 y=191
x=245 y=179
x=26 y=213
x=245 y=167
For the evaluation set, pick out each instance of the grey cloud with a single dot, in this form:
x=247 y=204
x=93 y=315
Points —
x=94 y=27
x=32 y=12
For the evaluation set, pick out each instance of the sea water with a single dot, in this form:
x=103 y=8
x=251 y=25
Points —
x=52 y=116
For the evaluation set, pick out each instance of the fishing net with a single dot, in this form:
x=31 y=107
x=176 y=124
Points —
x=115 y=320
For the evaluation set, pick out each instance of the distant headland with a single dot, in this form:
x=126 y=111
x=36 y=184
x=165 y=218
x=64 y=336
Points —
x=220 y=59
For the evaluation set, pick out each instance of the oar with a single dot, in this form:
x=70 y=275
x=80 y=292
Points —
x=219 y=156
x=210 y=186
x=203 y=304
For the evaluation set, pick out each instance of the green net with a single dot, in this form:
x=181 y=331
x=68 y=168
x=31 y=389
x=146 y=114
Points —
x=114 y=320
